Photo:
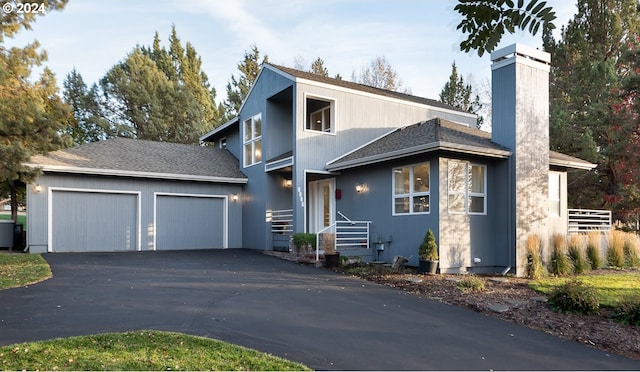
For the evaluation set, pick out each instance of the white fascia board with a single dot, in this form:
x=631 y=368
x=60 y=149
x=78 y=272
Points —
x=218 y=129
x=126 y=173
x=572 y=164
x=416 y=150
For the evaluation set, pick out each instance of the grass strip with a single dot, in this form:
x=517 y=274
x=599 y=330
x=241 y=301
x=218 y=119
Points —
x=20 y=269
x=140 y=350
x=612 y=288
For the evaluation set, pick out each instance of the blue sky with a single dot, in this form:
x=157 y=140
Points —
x=418 y=37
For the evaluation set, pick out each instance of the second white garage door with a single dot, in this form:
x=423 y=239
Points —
x=188 y=221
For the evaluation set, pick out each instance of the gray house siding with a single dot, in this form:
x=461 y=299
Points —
x=259 y=191
x=110 y=201
x=352 y=128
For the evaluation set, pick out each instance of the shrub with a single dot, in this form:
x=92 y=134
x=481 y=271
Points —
x=559 y=263
x=428 y=250
x=631 y=251
x=574 y=297
x=615 y=248
x=535 y=269
x=471 y=283
x=628 y=311
x=576 y=254
x=594 y=241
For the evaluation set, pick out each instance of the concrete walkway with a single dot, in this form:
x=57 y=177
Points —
x=310 y=315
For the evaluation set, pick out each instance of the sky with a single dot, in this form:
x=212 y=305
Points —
x=417 y=37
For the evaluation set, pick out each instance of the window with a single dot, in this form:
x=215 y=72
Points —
x=319 y=115
x=411 y=189
x=554 y=194
x=253 y=140
x=466 y=187
x=223 y=143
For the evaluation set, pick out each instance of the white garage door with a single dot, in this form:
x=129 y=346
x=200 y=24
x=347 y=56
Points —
x=190 y=221
x=99 y=221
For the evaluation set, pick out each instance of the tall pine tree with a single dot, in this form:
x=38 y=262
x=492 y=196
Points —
x=458 y=94
x=32 y=115
x=587 y=76
x=238 y=88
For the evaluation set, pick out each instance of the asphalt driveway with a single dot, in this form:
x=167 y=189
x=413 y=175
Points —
x=310 y=315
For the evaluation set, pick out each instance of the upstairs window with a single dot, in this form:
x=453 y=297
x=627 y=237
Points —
x=411 y=189
x=319 y=115
x=252 y=140
x=466 y=184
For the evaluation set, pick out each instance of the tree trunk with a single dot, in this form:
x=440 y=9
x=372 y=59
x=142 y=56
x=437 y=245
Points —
x=14 y=201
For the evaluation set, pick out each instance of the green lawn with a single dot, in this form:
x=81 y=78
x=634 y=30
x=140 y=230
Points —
x=22 y=220
x=20 y=269
x=611 y=287
x=140 y=350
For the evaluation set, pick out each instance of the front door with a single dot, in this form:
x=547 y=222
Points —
x=322 y=204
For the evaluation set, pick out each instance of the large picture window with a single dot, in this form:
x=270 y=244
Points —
x=319 y=115
x=411 y=189
x=252 y=140
x=466 y=187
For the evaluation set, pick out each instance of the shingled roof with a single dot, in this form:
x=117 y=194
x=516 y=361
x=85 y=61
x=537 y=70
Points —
x=147 y=159
x=363 y=88
x=432 y=135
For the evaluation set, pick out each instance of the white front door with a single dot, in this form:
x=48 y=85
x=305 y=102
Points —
x=322 y=204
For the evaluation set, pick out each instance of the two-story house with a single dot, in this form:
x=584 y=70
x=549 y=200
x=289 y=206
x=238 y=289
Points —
x=314 y=154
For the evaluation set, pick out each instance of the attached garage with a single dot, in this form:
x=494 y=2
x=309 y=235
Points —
x=131 y=195
x=188 y=221
x=93 y=220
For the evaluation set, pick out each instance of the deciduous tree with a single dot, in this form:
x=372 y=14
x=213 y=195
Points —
x=379 y=74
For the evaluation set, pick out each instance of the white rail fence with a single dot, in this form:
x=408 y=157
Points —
x=585 y=220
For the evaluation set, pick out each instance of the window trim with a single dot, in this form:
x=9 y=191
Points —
x=332 y=113
x=251 y=141
x=558 y=212
x=411 y=194
x=468 y=194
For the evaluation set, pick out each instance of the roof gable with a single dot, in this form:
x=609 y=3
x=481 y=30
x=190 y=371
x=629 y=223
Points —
x=148 y=159
x=297 y=74
x=426 y=136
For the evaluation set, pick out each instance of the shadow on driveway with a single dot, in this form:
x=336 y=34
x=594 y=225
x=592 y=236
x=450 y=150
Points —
x=310 y=315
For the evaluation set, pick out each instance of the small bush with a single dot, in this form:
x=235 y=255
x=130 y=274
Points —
x=471 y=283
x=615 y=249
x=574 y=297
x=535 y=269
x=576 y=254
x=628 y=311
x=559 y=263
x=594 y=241
x=631 y=250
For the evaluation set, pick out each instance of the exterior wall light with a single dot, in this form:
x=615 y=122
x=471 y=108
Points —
x=288 y=183
x=234 y=198
x=37 y=188
x=361 y=187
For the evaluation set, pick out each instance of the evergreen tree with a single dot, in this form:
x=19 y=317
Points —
x=458 y=94
x=238 y=88
x=317 y=67
x=586 y=116
x=87 y=123
x=32 y=115
x=160 y=94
